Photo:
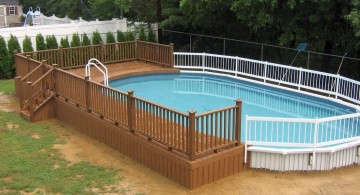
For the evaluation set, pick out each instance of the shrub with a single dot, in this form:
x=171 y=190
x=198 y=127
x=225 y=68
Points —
x=51 y=42
x=64 y=42
x=40 y=42
x=13 y=45
x=130 y=36
x=27 y=45
x=151 y=36
x=142 y=35
x=3 y=58
x=75 y=40
x=96 y=39
x=120 y=36
x=110 y=37
x=85 y=40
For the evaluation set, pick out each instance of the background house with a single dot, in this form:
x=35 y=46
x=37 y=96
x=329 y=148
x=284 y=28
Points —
x=10 y=13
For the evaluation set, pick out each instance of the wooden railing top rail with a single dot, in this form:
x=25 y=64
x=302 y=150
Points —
x=161 y=106
x=42 y=77
x=106 y=87
x=215 y=111
x=41 y=51
x=31 y=72
x=151 y=43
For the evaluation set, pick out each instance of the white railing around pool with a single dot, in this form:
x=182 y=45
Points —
x=335 y=85
x=286 y=132
x=301 y=133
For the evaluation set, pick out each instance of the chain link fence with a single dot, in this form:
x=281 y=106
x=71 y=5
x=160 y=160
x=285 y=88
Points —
x=188 y=42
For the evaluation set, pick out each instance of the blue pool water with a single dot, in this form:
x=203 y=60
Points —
x=204 y=92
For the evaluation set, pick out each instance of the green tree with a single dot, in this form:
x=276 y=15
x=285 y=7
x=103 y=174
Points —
x=27 y=45
x=51 y=42
x=13 y=45
x=120 y=36
x=130 y=36
x=96 y=38
x=85 y=40
x=3 y=58
x=110 y=37
x=142 y=35
x=75 y=40
x=64 y=42
x=151 y=36
x=40 y=42
x=143 y=10
x=107 y=9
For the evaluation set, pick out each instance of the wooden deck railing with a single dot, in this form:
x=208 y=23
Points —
x=107 y=53
x=188 y=134
x=161 y=54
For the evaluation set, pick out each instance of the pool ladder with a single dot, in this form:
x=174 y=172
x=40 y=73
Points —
x=95 y=62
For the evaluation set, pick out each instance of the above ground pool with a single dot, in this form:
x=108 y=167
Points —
x=205 y=92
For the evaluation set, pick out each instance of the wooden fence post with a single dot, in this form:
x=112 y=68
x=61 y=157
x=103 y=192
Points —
x=102 y=52
x=131 y=110
x=17 y=85
x=28 y=57
x=192 y=144
x=238 y=122
x=88 y=93
x=61 y=64
x=171 y=55
x=31 y=100
x=137 y=53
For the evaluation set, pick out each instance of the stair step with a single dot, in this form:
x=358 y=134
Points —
x=25 y=114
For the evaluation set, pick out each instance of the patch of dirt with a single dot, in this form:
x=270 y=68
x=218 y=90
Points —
x=139 y=179
x=8 y=103
x=36 y=136
x=11 y=126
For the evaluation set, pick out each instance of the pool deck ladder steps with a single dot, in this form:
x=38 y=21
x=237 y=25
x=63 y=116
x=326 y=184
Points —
x=102 y=68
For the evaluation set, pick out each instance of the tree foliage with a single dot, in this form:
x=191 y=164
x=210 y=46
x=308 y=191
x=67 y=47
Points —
x=130 y=36
x=51 y=42
x=85 y=40
x=27 y=44
x=151 y=36
x=75 y=40
x=110 y=37
x=107 y=9
x=120 y=36
x=142 y=35
x=13 y=46
x=3 y=59
x=40 y=42
x=96 y=38
x=64 y=42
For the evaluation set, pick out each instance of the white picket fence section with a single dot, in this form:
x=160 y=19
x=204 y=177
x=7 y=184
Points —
x=335 y=85
x=287 y=133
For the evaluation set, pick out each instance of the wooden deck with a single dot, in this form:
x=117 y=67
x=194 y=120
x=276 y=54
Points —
x=124 y=69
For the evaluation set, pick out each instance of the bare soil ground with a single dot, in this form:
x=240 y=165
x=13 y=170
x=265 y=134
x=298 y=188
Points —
x=142 y=180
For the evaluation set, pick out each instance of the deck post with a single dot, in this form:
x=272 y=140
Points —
x=238 y=122
x=171 y=55
x=31 y=100
x=131 y=111
x=61 y=52
x=28 y=57
x=88 y=93
x=192 y=135
x=17 y=86
x=102 y=52
x=137 y=53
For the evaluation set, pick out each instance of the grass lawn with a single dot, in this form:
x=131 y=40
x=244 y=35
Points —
x=28 y=163
x=7 y=86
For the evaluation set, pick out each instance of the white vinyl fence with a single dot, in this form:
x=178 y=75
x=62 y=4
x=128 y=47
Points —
x=287 y=133
x=335 y=85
